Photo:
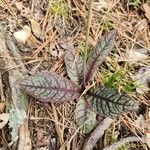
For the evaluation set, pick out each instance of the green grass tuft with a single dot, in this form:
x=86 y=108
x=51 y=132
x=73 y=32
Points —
x=135 y=3
x=60 y=8
x=118 y=78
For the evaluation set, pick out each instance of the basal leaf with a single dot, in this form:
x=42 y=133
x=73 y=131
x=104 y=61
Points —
x=109 y=103
x=98 y=55
x=50 y=87
x=84 y=115
x=74 y=65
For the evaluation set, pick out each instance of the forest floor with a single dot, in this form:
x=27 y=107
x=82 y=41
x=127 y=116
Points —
x=33 y=37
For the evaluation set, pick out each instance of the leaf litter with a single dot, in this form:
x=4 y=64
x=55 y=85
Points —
x=103 y=20
x=4 y=119
x=136 y=55
x=142 y=78
x=23 y=35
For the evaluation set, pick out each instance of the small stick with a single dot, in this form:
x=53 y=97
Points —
x=97 y=133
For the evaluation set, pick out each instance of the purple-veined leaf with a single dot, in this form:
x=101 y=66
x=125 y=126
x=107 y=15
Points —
x=74 y=65
x=98 y=55
x=85 y=116
x=50 y=87
x=109 y=103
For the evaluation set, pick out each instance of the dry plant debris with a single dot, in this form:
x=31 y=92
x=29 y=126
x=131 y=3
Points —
x=3 y=119
x=23 y=35
x=33 y=37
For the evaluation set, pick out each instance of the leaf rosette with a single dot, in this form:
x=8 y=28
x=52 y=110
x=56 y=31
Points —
x=54 y=88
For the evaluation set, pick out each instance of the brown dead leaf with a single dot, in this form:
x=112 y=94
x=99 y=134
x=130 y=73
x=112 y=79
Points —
x=2 y=106
x=146 y=8
x=3 y=119
x=23 y=35
x=32 y=41
x=35 y=28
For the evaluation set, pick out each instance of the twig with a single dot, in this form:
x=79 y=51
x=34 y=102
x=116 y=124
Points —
x=89 y=17
x=58 y=129
x=97 y=134
x=123 y=142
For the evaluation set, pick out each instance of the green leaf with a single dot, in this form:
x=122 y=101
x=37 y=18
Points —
x=50 y=87
x=99 y=54
x=74 y=65
x=109 y=103
x=85 y=116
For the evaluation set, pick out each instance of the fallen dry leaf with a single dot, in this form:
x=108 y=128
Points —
x=143 y=79
x=2 y=106
x=32 y=41
x=3 y=119
x=35 y=28
x=23 y=35
x=146 y=8
x=136 y=55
